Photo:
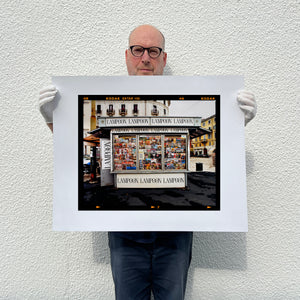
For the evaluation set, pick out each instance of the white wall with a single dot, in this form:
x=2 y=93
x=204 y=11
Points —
x=259 y=39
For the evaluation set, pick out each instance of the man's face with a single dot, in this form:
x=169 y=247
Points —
x=145 y=36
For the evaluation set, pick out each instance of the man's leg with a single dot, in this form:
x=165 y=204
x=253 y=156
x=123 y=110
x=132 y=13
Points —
x=170 y=263
x=131 y=268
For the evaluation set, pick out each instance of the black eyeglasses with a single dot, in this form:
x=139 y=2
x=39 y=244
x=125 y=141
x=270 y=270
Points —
x=138 y=51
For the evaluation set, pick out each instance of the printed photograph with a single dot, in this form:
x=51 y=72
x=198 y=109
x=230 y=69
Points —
x=147 y=152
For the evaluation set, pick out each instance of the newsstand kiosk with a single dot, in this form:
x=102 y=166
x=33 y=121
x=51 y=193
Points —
x=148 y=152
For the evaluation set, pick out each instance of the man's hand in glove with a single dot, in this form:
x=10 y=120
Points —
x=46 y=104
x=247 y=104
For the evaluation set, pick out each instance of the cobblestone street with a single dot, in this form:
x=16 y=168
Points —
x=201 y=194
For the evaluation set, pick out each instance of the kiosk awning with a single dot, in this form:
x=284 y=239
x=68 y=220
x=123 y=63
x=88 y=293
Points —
x=194 y=131
x=142 y=124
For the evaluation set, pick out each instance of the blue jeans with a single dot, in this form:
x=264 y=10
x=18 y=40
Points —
x=161 y=266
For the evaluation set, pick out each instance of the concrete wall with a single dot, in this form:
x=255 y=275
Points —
x=259 y=39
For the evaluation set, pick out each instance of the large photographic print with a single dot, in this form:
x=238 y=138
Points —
x=149 y=152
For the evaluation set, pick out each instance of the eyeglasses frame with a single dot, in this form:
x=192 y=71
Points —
x=144 y=48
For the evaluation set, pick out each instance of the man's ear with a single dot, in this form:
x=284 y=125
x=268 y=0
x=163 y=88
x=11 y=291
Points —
x=165 y=58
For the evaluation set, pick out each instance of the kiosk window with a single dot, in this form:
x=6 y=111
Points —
x=124 y=152
x=155 y=152
x=150 y=152
x=175 y=152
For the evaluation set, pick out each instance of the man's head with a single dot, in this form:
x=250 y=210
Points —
x=146 y=36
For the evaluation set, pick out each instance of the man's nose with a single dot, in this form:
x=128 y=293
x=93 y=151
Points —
x=145 y=56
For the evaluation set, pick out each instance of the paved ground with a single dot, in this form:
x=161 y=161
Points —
x=200 y=194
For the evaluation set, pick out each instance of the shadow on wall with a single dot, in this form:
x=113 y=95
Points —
x=211 y=250
x=168 y=70
x=250 y=162
x=100 y=248
x=220 y=250
x=216 y=251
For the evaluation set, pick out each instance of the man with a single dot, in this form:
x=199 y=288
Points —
x=142 y=262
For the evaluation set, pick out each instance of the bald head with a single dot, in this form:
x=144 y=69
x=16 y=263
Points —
x=148 y=31
x=146 y=36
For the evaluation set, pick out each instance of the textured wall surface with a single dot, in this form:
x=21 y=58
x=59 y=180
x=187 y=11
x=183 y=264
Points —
x=257 y=39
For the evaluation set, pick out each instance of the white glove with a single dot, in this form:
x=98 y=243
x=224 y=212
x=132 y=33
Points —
x=247 y=104
x=46 y=102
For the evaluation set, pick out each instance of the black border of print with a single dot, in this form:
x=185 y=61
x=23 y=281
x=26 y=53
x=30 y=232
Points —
x=153 y=205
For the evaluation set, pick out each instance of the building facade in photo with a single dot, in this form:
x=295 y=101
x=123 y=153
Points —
x=206 y=144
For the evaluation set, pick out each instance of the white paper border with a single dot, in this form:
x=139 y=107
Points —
x=233 y=213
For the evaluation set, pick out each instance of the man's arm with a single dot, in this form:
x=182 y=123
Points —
x=46 y=104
